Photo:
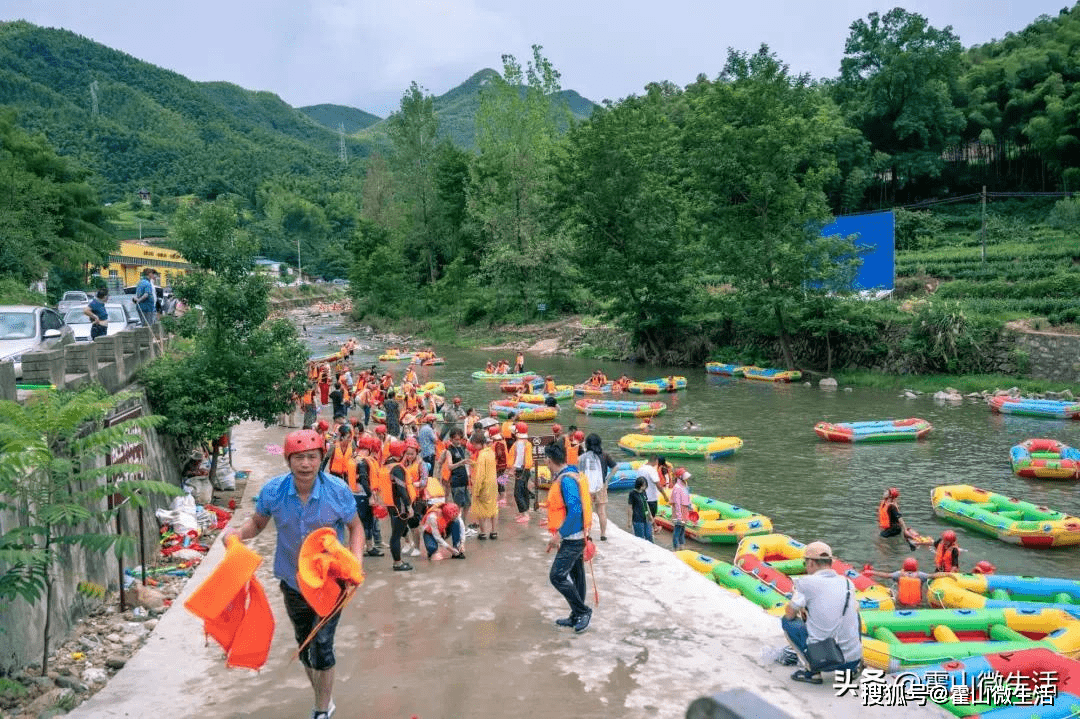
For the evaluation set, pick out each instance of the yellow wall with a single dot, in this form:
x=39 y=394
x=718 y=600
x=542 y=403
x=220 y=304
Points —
x=127 y=265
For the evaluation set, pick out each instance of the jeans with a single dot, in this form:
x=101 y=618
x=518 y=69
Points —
x=678 y=535
x=795 y=629
x=568 y=575
x=432 y=545
x=319 y=654
x=367 y=414
x=643 y=530
x=521 y=490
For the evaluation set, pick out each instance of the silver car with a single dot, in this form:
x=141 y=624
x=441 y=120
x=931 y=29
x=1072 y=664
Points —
x=26 y=328
x=118 y=321
x=71 y=300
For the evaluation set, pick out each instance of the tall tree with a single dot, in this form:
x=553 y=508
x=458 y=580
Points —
x=412 y=130
x=899 y=85
x=759 y=144
x=517 y=126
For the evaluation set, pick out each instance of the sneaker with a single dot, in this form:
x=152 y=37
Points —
x=380 y=544
x=414 y=552
x=374 y=553
x=788 y=657
x=583 y=622
x=566 y=621
x=459 y=555
x=403 y=567
x=470 y=532
x=494 y=535
x=481 y=536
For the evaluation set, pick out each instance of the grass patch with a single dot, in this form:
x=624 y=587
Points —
x=964 y=382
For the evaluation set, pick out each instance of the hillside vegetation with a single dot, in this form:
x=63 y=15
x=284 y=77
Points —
x=334 y=116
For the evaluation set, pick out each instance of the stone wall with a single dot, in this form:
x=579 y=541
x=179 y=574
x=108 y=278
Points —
x=21 y=638
x=1046 y=355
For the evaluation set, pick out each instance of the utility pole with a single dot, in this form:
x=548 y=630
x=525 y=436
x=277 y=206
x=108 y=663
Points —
x=983 y=233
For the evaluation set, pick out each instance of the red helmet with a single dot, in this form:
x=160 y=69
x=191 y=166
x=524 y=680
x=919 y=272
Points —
x=380 y=429
x=370 y=443
x=354 y=421
x=450 y=511
x=579 y=436
x=493 y=431
x=397 y=448
x=457 y=400
x=302 y=441
x=948 y=536
x=322 y=425
x=411 y=443
x=911 y=564
x=894 y=492
x=556 y=428
x=521 y=428
x=430 y=417
x=984 y=567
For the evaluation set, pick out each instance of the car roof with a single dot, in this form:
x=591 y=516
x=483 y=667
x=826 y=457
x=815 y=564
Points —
x=21 y=308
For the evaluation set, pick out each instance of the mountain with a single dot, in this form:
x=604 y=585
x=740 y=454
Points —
x=333 y=116
x=456 y=110
x=138 y=125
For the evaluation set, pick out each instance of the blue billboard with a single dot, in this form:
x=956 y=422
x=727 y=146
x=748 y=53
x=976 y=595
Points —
x=874 y=236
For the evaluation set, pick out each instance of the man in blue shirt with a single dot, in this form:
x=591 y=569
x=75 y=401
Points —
x=146 y=295
x=569 y=521
x=300 y=502
x=99 y=316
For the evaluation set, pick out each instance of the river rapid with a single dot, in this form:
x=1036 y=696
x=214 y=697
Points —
x=811 y=489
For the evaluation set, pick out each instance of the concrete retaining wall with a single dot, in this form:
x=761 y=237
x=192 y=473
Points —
x=21 y=639
x=1048 y=355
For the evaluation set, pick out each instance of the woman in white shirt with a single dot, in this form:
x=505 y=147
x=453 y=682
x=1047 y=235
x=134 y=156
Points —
x=596 y=464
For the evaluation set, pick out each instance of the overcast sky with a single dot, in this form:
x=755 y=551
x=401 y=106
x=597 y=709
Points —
x=364 y=53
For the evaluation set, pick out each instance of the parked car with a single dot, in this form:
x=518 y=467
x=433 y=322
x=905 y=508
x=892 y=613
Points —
x=71 y=300
x=131 y=310
x=119 y=321
x=26 y=328
x=166 y=301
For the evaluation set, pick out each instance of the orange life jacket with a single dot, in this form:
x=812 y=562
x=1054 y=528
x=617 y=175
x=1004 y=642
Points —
x=344 y=465
x=909 y=590
x=883 y=515
x=410 y=376
x=549 y=386
x=943 y=557
x=412 y=479
x=383 y=483
x=571 y=451
x=522 y=445
x=372 y=470
x=322 y=562
x=412 y=402
x=556 y=505
x=308 y=399
x=234 y=609
x=443 y=524
x=387 y=382
x=507 y=429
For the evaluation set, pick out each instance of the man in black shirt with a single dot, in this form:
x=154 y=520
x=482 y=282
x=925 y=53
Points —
x=337 y=397
x=393 y=415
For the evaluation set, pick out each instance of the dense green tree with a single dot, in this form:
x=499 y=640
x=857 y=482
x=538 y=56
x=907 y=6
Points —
x=758 y=143
x=625 y=209
x=413 y=131
x=239 y=366
x=899 y=85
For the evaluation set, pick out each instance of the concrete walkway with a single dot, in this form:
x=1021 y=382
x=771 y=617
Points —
x=476 y=639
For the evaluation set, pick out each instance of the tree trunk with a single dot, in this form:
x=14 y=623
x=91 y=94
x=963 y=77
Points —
x=785 y=342
x=48 y=604
x=213 y=461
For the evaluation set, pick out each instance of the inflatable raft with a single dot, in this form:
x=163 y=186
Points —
x=656 y=386
x=1049 y=408
x=889 y=430
x=407 y=356
x=535 y=384
x=592 y=390
x=614 y=408
x=524 y=411
x=771 y=375
x=1000 y=591
x=1045 y=459
x=1036 y=670
x=624 y=475
x=681 y=446
x=717 y=522
x=562 y=391
x=492 y=377
x=433 y=387
x=1007 y=518
x=908 y=637
x=728 y=370
x=432 y=362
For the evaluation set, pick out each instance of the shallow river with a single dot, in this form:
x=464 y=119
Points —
x=811 y=489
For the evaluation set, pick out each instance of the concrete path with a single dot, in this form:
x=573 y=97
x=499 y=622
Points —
x=475 y=639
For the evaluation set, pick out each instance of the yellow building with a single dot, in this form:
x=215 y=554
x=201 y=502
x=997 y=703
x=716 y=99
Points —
x=125 y=269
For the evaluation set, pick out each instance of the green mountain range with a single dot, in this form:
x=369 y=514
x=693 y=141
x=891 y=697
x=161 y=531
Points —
x=334 y=116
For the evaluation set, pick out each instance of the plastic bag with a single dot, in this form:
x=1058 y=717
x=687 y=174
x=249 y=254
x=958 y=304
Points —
x=201 y=490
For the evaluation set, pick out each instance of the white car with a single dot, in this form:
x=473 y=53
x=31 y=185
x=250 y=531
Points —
x=118 y=321
x=71 y=300
x=26 y=328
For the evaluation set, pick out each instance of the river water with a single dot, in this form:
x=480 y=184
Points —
x=811 y=489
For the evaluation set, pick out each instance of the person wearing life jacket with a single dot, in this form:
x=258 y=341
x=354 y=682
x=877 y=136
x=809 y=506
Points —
x=393 y=484
x=489 y=368
x=387 y=382
x=890 y=521
x=519 y=363
x=506 y=429
x=503 y=368
x=324 y=389
x=456 y=457
x=309 y=404
x=573 y=443
x=416 y=477
x=342 y=461
x=984 y=567
x=442 y=521
x=557 y=436
x=910 y=583
x=569 y=521
x=601 y=378
x=947 y=552
x=324 y=501
x=521 y=459
x=549 y=385
x=322 y=427
x=367 y=468
x=410 y=376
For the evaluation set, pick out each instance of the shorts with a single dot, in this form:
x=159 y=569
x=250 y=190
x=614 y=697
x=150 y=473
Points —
x=599 y=496
x=461 y=497
x=891 y=531
x=319 y=653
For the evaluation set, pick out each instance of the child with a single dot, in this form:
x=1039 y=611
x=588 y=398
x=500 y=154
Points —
x=680 y=510
x=638 y=514
x=910 y=582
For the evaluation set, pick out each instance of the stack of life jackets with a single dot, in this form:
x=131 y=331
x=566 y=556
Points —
x=233 y=606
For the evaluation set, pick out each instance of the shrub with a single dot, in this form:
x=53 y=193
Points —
x=1066 y=214
x=916 y=230
x=943 y=338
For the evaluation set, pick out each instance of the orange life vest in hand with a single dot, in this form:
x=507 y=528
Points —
x=322 y=562
x=556 y=504
x=909 y=590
